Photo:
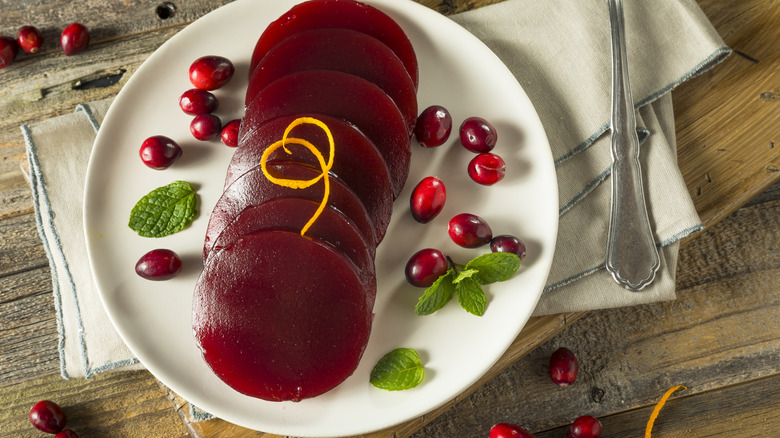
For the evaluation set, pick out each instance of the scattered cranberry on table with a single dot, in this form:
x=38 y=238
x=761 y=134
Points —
x=195 y=102
x=487 y=169
x=67 y=433
x=428 y=198
x=584 y=427
x=425 y=266
x=47 y=416
x=229 y=133
x=469 y=230
x=211 y=72
x=29 y=39
x=433 y=126
x=206 y=127
x=508 y=430
x=74 y=39
x=477 y=135
x=8 y=51
x=158 y=265
x=508 y=243
x=563 y=367
x=159 y=152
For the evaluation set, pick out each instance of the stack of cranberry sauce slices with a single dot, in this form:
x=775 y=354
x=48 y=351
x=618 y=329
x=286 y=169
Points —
x=284 y=305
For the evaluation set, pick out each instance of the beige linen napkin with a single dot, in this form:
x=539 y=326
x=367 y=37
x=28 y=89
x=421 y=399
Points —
x=559 y=52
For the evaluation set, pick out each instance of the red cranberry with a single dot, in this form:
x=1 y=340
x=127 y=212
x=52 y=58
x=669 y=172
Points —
x=211 y=72
x=8 y=51
x=229 y=133
x=159 y=152
x=477 y=135
x=469 y=230
x=487 y=169
x=158 y=264
x=74 y=39
x=508 y=243
x=507 y=430
x=206 y=127
x=433 y=126
x=584 y=427
x=29 y=39
x=428 y=199
x=195 y=102
x=425 y=266
x=563 y=367
x=67 y=433
x=47 y=416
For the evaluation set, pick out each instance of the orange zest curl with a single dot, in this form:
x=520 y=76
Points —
x=657 y=409
x=324 y=167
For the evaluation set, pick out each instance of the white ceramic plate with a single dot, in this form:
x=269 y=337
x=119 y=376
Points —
x=456 y=71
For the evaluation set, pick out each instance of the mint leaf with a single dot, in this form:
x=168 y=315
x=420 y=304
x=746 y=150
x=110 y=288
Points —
x=468 y=273
x=494 y=266
x=471 y=297
x=437 y=295
x=164 y=210
x=397 y=370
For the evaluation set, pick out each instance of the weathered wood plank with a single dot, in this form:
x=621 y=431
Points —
x=21 y=245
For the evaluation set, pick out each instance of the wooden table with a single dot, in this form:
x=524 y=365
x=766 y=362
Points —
x=720 y=338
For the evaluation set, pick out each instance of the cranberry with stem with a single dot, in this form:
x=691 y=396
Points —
x=8 y=51
x=229 y=134
x=29 y=39
x=433 y=126
x=508 y=430
x=47 y=416
x=469 y=230
x=508 y=243
x=159 y=152
x=584 y=427
x=74 y=39
x=158 y=264
x=195 y=102
x=477 y=135
x=425 y=266
x=563 y=367
x=211 y=72
x=206 y=127
x=487 y=169
x=427 y=200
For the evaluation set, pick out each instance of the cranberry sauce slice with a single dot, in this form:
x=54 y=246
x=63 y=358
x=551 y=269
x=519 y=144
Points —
x=253 y=187
x=343 y=50
x=321 y=14
x=343 y=96
x=291 y=214
x=280 y=316
x=357 y=162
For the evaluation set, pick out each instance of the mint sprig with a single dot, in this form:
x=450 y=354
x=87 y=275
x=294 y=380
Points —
x=467 y=283
x=164 y=210
x=397 y=370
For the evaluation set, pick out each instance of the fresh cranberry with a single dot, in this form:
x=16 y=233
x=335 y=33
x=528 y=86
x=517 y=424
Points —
x=469 y=230
x=74 y=39
x=158 y=264
x=29 y=39
x=159 y=152
x=584 y=427
x=508 y=243
x=477 y=135
x=67 y=433
x=487 y=169
x=8 y=51
x=427 y=199
x=425 y=266
x=195 y=102
x=47 y=416
x=211 y=72
x=229 y=133
x=508 y=430
x=563 y=367
x=433 y=126
x=206 y=127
